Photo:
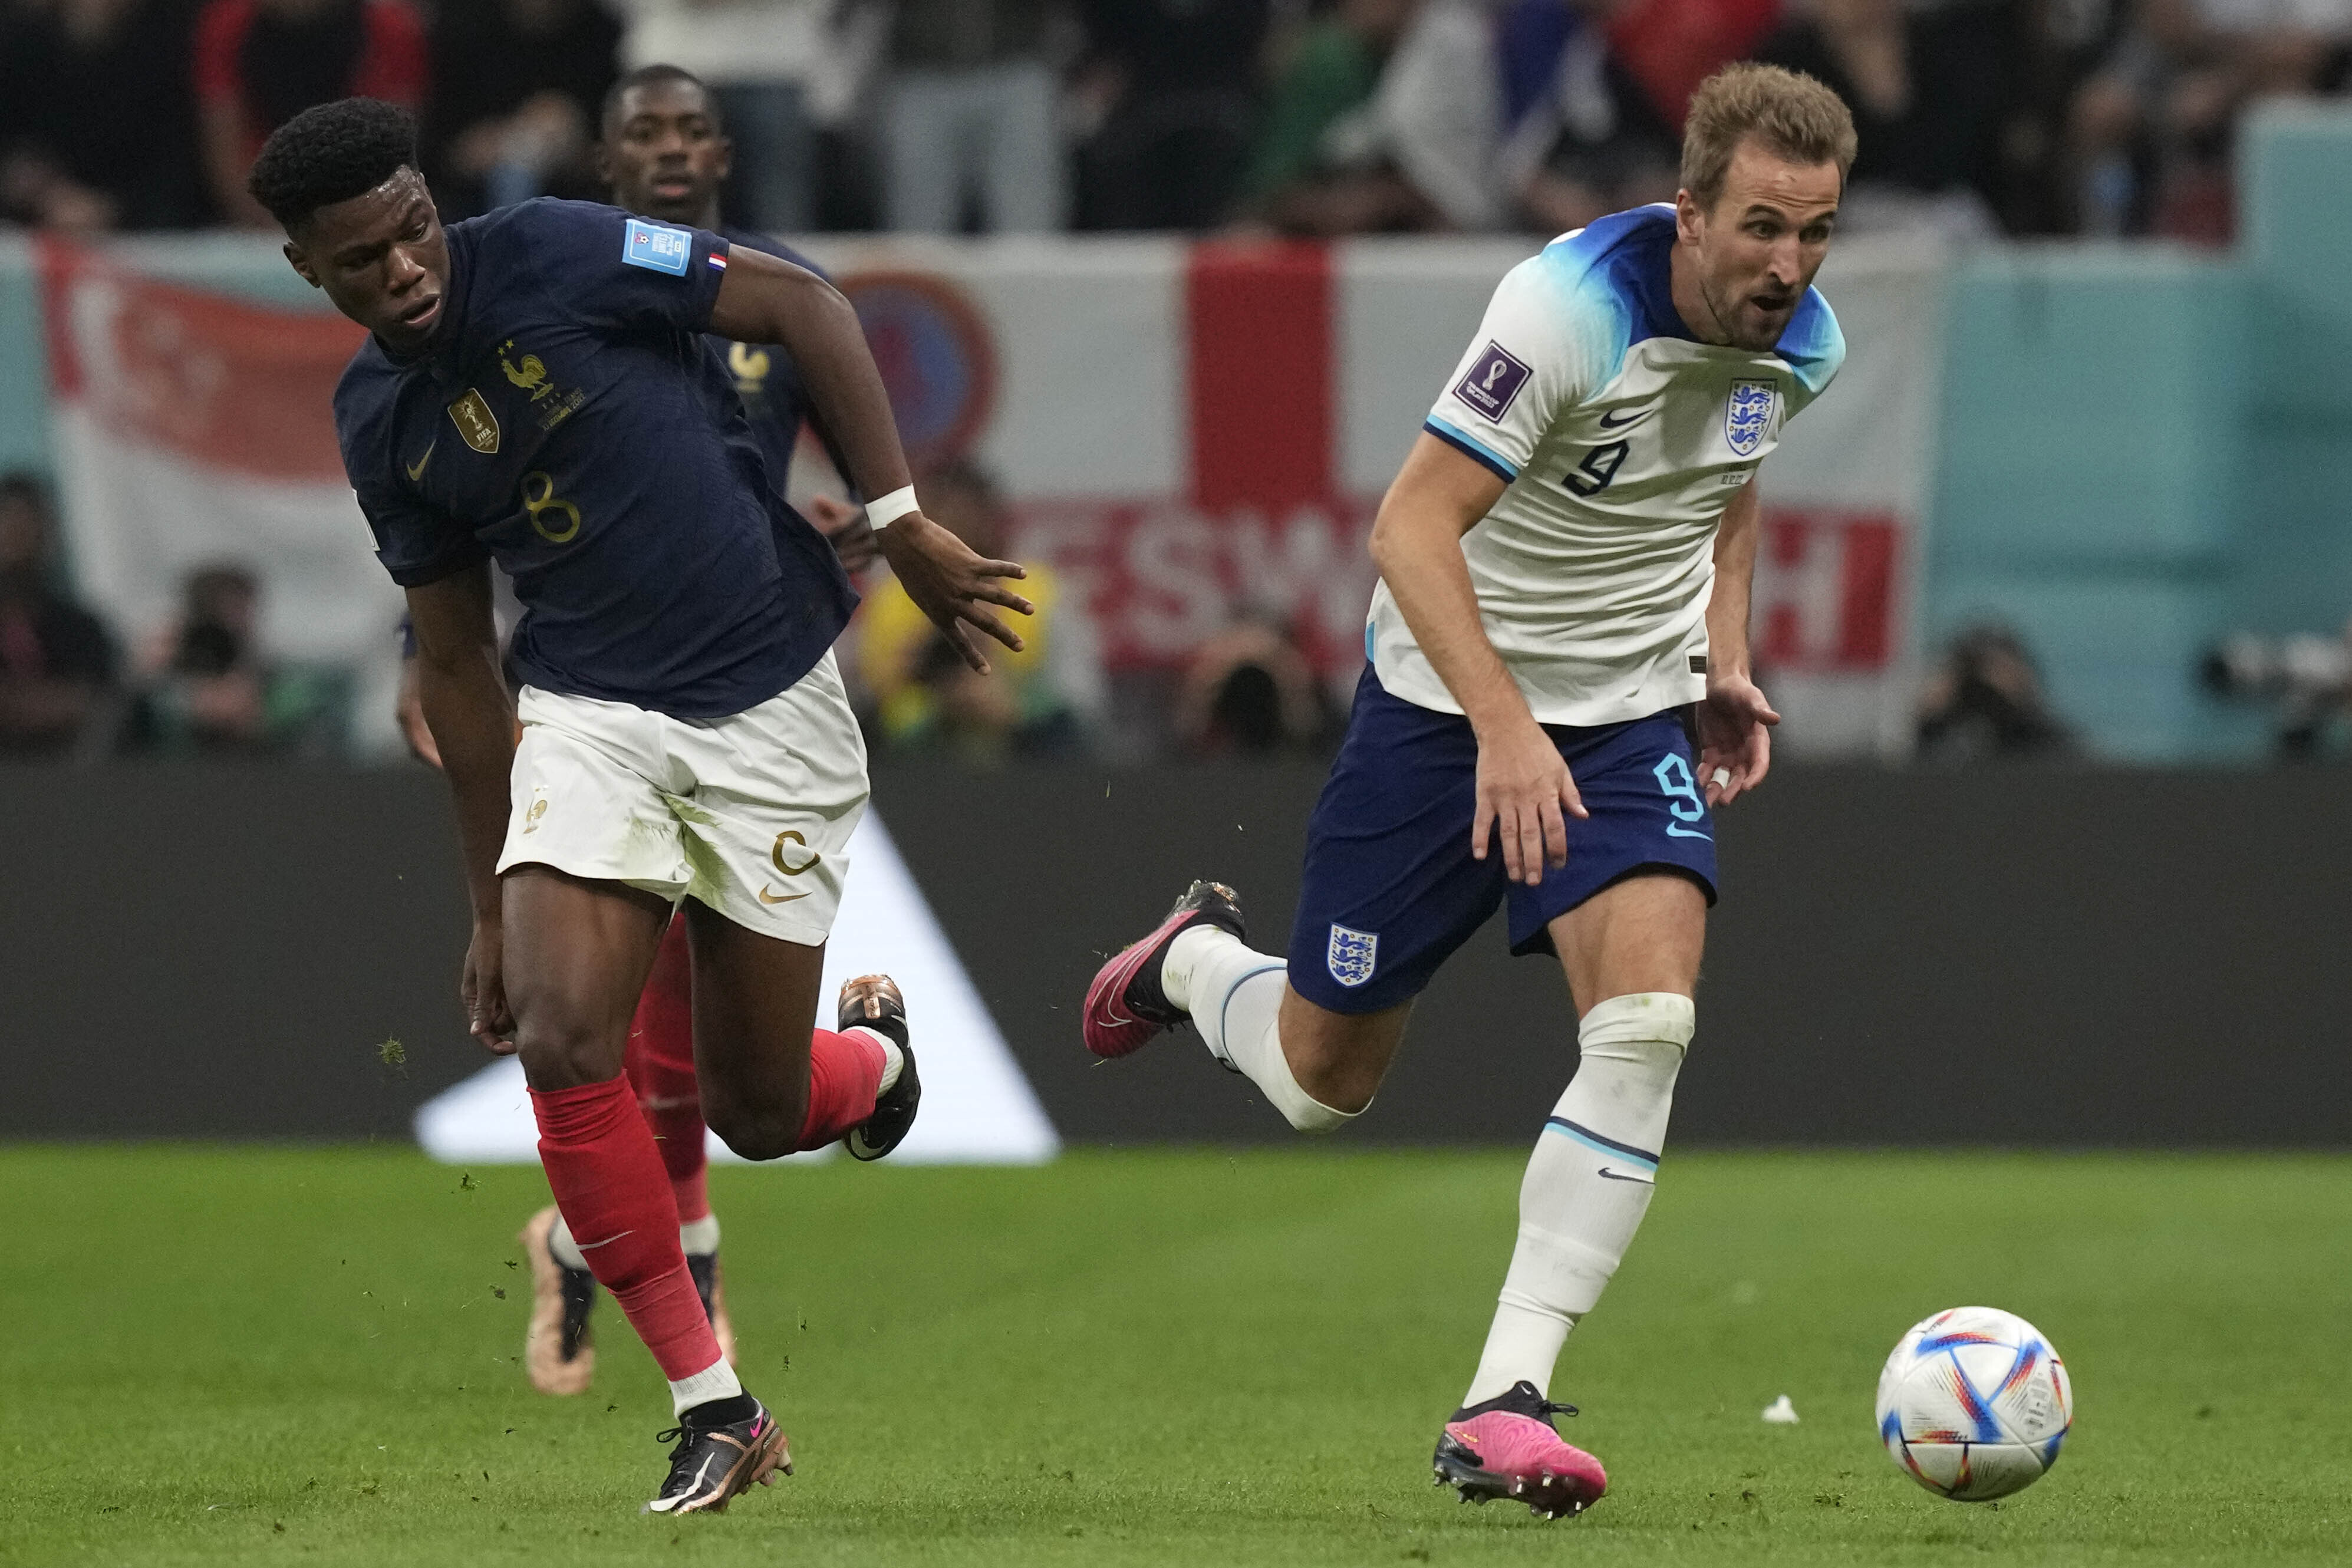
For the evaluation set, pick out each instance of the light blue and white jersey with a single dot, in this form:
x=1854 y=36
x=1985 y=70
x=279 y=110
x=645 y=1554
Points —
x=1622 y=438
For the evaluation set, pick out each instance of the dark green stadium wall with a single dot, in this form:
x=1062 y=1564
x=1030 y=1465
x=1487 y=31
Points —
x=2048 y=959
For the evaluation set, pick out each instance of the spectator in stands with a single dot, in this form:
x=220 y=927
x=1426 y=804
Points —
x=208 y=686
x=1582 y=138
x=258 y=63
x=1172 y=88
x=1669 y=47
x=767 y=63
x=1250 y=691
x=970 y=118
x=1985 y=702
x=919 y=695
x=1386 y=121
x=1931 y=90
x=70 y=157
x=517 y=85
x=2151 y=128
x=56 y=663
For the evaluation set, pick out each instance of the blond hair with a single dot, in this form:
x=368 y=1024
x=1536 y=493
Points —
x=1791 y=115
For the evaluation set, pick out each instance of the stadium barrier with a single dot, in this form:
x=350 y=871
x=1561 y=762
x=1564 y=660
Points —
x=2060 y=958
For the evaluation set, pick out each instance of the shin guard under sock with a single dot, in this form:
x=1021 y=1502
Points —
x=609 y=1183
x=1587 y=1184
x=844 y=1075
x=1234 y=996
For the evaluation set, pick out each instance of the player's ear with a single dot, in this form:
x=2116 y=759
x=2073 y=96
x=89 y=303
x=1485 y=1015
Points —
x=300 y=263
x=601 y=158
x=1687 y=214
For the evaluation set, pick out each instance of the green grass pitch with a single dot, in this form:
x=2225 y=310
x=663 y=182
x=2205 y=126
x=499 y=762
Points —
x=254 y=1357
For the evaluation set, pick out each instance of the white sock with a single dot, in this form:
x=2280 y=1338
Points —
x=894 y=1060
x=1587 y=1184
x=700 y=1237
x=1234 y=996
x=717 y=1381
x=560 y=1243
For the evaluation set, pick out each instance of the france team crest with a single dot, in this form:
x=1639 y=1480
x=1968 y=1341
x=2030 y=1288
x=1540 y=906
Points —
x=1352 y=955
x=1748 y=415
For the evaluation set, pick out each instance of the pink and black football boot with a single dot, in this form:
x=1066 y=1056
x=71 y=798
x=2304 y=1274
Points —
x=1125 y=1005
x=1506 y=1448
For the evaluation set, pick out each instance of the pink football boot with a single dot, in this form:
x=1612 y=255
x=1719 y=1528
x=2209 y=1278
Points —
x=1125 y=1005
x=1506 y=1447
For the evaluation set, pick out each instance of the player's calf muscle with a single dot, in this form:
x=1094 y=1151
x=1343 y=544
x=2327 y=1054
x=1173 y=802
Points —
x=1340 y=1058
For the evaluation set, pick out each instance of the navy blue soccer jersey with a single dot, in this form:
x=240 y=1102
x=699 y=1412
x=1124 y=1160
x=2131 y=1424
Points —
x=570 y=421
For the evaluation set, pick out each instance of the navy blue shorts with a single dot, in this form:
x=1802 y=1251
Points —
x=1391 y=888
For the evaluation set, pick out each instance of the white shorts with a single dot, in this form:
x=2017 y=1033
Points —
x=748 y=815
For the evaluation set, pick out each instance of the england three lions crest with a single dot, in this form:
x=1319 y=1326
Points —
x=1748 y=415
x=1352 y=955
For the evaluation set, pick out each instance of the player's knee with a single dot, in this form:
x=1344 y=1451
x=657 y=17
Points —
x=758 y=1132
x=559 y=1052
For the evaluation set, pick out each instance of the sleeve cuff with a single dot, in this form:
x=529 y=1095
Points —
x=448 y=564
x=1486 y=456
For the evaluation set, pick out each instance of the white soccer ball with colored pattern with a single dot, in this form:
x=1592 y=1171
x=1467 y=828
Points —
x=1974 y=1403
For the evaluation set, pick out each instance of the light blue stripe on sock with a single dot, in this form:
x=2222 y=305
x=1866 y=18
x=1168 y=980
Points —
x=1615 y=1150
x=1228 y=1002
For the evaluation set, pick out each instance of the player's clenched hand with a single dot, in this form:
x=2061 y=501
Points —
x=844 y=528
x=484 y=990
x=953 y=586
x=1523 y=788
x=1734 y=738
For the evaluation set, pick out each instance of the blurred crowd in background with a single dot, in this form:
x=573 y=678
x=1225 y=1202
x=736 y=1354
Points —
x=1319 y=117
x=205 y=685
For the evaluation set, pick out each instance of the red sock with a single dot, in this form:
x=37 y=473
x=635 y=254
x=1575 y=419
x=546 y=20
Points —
x=661 y=1065
x=844 y=1075
x=608 y=1181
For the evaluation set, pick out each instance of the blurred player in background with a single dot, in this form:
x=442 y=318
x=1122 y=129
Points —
x=536 y=389
x=664 y=153
x=1558 y=663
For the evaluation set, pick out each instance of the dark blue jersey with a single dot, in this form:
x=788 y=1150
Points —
x=766 y=378
x=571 y=420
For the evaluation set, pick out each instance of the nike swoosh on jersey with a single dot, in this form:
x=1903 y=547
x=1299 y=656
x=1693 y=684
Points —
x=1638 y=416
x=417 y=474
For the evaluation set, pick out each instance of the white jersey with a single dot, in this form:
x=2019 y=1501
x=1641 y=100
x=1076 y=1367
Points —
x=1622 y=439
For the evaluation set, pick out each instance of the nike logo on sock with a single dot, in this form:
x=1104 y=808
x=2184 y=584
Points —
x=1609 y=1175
x=593 y=1246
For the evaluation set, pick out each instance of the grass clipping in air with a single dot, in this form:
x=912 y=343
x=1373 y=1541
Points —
x=1157 y=1358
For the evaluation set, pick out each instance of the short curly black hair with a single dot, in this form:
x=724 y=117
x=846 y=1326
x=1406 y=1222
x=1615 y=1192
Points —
x=331 y=153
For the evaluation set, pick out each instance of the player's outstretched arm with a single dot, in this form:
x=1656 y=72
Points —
x=765 y=299
x=1735 y=722
x=465 y=706
x=1523 y=782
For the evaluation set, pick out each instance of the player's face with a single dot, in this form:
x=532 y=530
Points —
x=1758 y=248
x=382 y=259
x=663 y=155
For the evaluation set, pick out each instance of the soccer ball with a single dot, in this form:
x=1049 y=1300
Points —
x=1974 y=1402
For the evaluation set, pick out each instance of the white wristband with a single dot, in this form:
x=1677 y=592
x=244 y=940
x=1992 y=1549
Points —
x=890 y=509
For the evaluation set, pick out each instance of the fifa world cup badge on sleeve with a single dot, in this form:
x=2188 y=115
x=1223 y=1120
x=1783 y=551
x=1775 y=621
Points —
x=657 y=248
x=1748 y=415
x=1493 y=383
x=1352 y=955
